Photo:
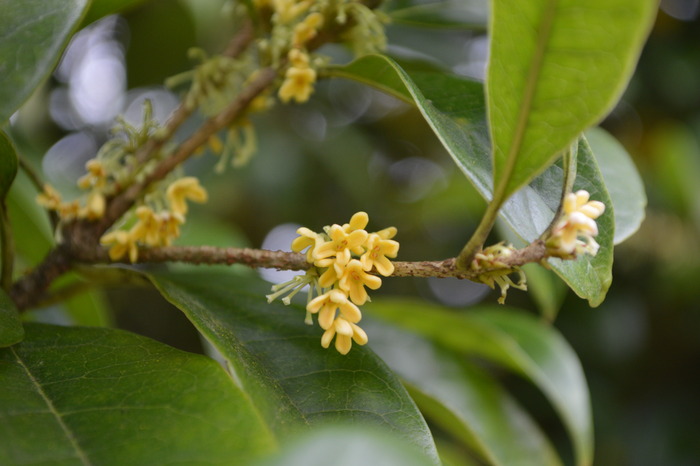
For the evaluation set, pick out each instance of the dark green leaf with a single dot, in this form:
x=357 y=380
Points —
x=281 y=364
x=454 y=108
x=622 y=180
x=8 y=165
x=556 y=67
x=101 y=8
x=101 y=396
x=458 y=14
x=350 y=446
x=462 y=399
x=517 y=341
x=33 y=33
x=11 y=329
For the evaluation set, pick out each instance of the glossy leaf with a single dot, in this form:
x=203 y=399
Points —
x=8 y=165
x=516 y=341
x=454 y=108
x=11 y=329
x=100 y=396
x=529 y=212
x=279 y=360
x=556 y=67
x=349 y=446
x=462 y=399
x=623 y=181
x=457 y=14
x=34 y=33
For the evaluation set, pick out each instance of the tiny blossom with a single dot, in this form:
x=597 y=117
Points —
x=355 y=279
x=94 y=207
x=96 y=175
x=327 y=304
x=573 y=233
x=169 y=227
x=340 y=246
x=122 y=243
x=49 y=198
x=378 y=250
x=357 y=222
x=181 y=190
x=307 y=239
x=345 y=333
x=298 y=84
x=495 y=271
x=307 y=29
x=69 y=210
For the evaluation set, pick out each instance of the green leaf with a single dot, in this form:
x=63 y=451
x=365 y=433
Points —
x=30 y=222
x=546 y=290
x=349 y=446
x=8 y=164
x=11 y=329
x=101 y=8
x=556 y=67
x=517 y=341
x=101 y=396
x=454 y=14
x=462 y=399
x=34 y=33
x=588 y=276
x=622 y=180
x=454 y=108
x=281 y=364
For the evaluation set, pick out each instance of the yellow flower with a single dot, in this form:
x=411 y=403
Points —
x=307 y=239
x=327 y=304
x=183 y=189
x=169 y=227
x=122 y=242
x=298 y=84
x=357 y=222
x=69 y=210
x=378 y=249
x=345 y=332
x=574 y=232
x=340 y=246
x=49 y=198
x=94 y=207
x=307 y=29
x=298 y=58
x=147 y=229
x=355 y=279
x=96 y=175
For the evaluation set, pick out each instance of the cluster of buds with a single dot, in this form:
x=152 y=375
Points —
x=295 y=23
x=94 y=206
x=155 y=228
x=343 y=257
x=573 y=233
x=492 y=270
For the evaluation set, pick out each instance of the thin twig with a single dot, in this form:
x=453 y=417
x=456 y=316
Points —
x=209 y=255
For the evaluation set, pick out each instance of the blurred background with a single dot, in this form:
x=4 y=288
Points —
x=351 y=148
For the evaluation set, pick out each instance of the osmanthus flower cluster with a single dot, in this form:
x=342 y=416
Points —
x=153 y=228
x=295 y=23
x=573 y=233
x=490 y=260
x=343 y=257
